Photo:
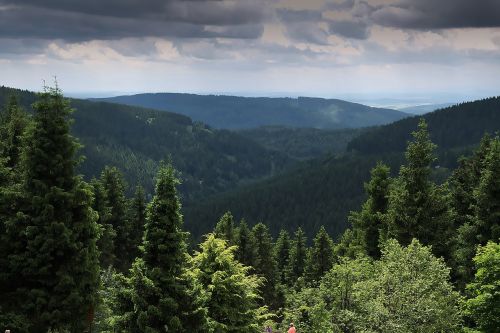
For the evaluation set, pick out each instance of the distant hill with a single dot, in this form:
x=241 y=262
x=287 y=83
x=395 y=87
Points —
x=425 y=108
x=324 y=190
x=303 y=143
x=135 y=139
x=231 y=112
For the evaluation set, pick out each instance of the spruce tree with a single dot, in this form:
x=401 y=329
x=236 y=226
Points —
x=106 y=241
x=137 y=220
x=60 y=270
x=320 y=257
x=418 y=208
x=164 y=295
x=282 y=254
x=114 y=189
x=233 y=297
x=225 y=228
x=297 y=260
x=265 y=262
x=246 y=251
x=369 y=222
x=13 y=123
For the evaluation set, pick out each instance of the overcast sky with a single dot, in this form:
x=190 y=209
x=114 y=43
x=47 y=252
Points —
x=331 y=48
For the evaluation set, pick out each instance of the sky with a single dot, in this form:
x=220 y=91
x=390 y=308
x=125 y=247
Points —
x=429 y=50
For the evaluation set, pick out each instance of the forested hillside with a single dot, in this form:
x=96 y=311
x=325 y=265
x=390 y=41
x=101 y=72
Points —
x=135 y=139
x=458 y=125
x=233 y=112
x=303 y=143
x=323 y=191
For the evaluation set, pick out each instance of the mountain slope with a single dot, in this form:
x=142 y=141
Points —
x=233 y=112
x=136 y=139
x=323 y=191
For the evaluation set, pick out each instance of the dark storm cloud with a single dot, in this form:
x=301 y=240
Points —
x=113 y=19
x=349 y=29
x=439 y=14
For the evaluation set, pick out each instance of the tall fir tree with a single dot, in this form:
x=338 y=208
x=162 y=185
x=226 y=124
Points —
x=114 y=189
x=465 y=183
x=265 y=263
x=369 y=222
x=59 y=273
x=165 y=296
x=225 y=228
x=233 y=298
x=282 y=254
x=246 y=251
x=320 y=258
x=418 y=208
x=13 y=123
x=106 y=242
x=137 y=220
x=297 y=259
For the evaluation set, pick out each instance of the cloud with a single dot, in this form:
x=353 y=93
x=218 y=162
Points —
x=105 y=20
x=442 y=14
x=350 y=29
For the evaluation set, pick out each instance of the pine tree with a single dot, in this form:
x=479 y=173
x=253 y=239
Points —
x=114 y=189
x=106 y=241
x=369 y=222
x=225 y=228
x=233 y=300
x=282 y=254
x=246 y=251
x=320 y=257
x=60 y=271
x=297 y=260
x=265 y=262
x=137 y=220
x=418 y=208
x=164 y=295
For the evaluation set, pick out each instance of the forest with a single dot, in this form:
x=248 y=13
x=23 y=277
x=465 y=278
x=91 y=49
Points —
x=420 y=255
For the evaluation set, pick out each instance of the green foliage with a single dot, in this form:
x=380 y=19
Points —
x=407 y=290
x=369 y=222
x=246 y=250
x=297 y=259
x=54 y=256
x=265 y=263
x=232 y=296
x=418 y=208
x=13 y=123
x=163 y=294
x=320 y=257
x=137 y=220
x=225 y=228
x=282 y=254
x=483 y=305
x=114 y=194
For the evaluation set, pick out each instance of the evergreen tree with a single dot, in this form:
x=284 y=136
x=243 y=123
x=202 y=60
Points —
x=484 y=223
x=297 y=260
x=320 y=257
x=246 y=251
x=265 y=263
x=282 y=254
x=13 y=123
x=164 y=295
x=369 y=222
x=105 y=243
x=225 y=228
x=114 y=189
x=59 y=272
x=418 y=208
x=137 y=220
x=233 y=293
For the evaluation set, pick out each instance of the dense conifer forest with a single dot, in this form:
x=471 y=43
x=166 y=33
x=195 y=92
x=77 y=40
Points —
x=421 y=253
